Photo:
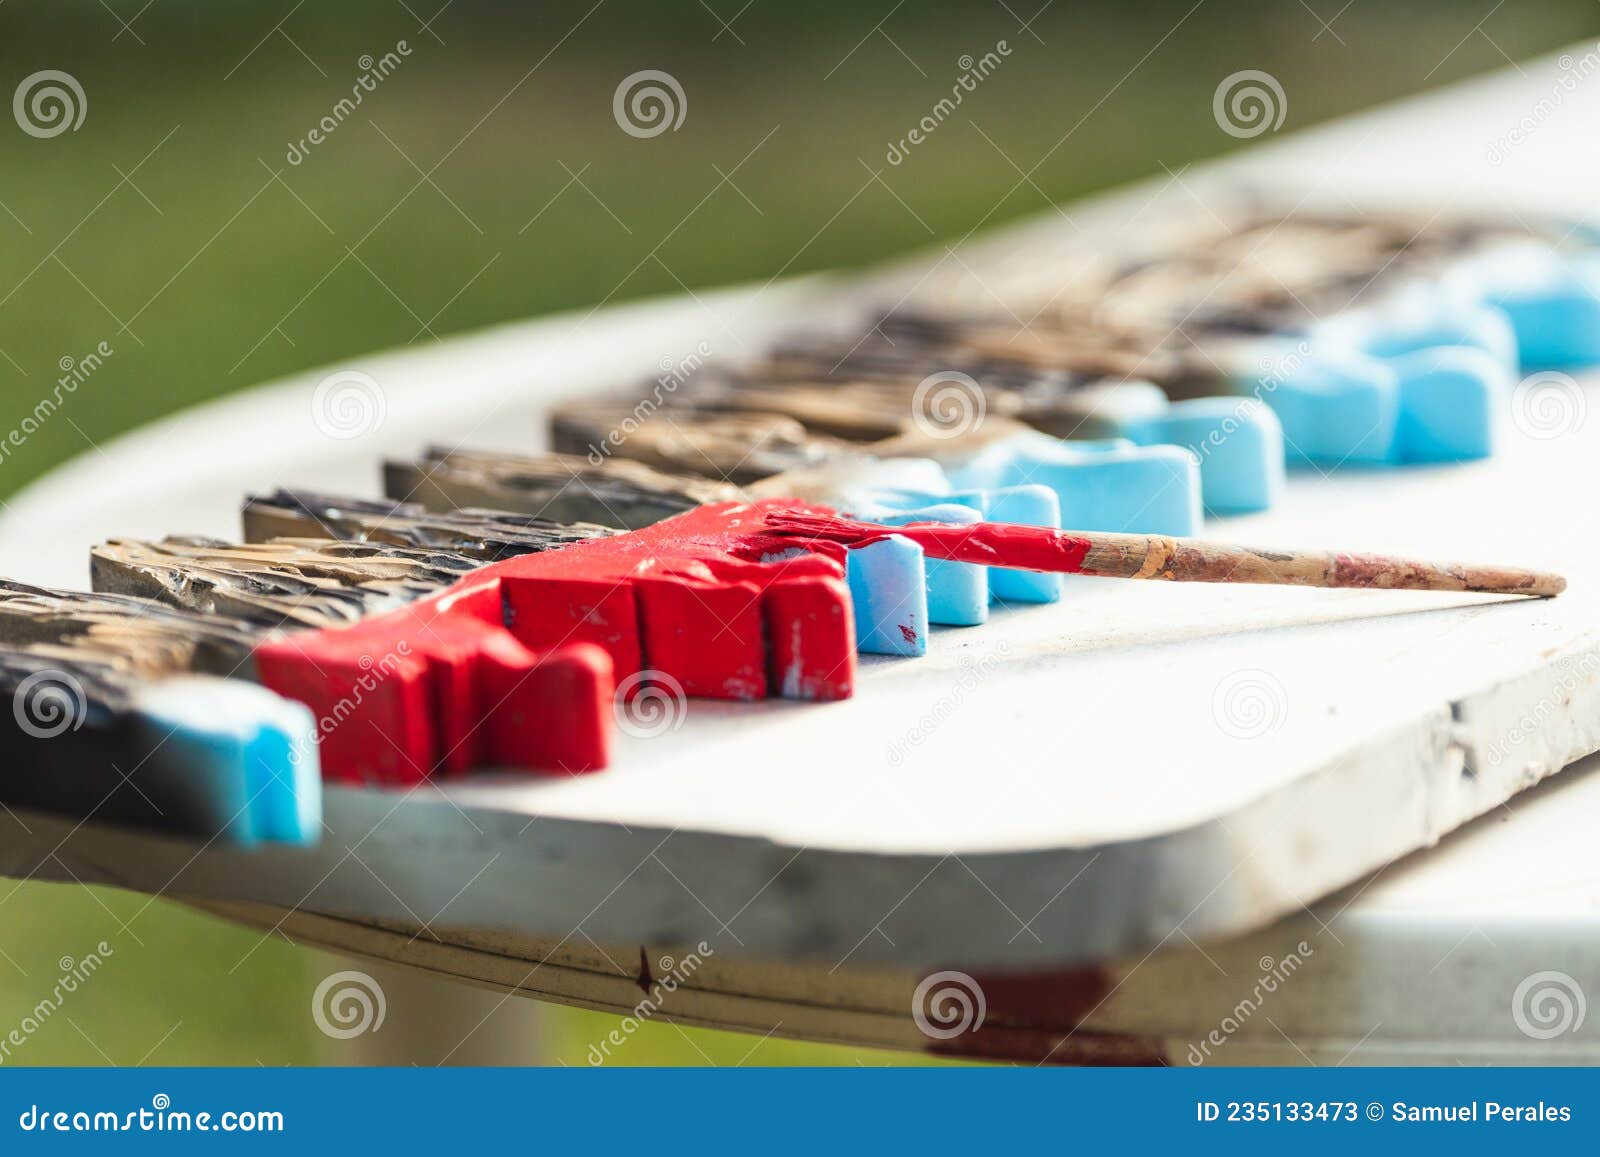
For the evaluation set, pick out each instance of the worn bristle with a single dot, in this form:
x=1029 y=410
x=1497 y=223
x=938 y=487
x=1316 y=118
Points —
x=827 y=527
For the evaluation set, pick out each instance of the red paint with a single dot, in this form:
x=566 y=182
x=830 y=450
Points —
x=987 y=543
x=693 y=598
x=1376 y=570
x=1044 y=1047
x=516 y=664
x=1060 y=999
x=399 y=697
x=1037 y=1018
x=644 y=980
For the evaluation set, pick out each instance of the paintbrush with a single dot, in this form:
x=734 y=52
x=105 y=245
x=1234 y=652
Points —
x=596 y=488
x=1237 y=336
x=1151 y=556
x=282 y=584
x=401 y=652
x=482 y=535
x=118 y=716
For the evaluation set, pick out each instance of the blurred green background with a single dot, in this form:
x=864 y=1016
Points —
x=486 y=180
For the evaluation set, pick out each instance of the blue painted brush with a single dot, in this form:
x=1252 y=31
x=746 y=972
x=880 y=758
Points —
x=1376 y=338
x=102 y=727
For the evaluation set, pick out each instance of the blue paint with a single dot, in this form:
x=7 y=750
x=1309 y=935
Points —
x=1029 y=478
x=242 y=760
x=1419 y=385
x=1450 y=401
x=888 y=587
x=1451 y=359
x=958 y=592
x=1029 y=505
x=1550 y=298
x=1238 y=441
x=1335 y=406
x=1107 y=485
x=1420 y=320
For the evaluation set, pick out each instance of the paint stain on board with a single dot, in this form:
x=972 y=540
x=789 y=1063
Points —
x=1034 y=1018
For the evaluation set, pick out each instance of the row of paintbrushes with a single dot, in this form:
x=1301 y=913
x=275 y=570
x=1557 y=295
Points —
x=1254 y=340
x=208 y=687
x=1117 y=390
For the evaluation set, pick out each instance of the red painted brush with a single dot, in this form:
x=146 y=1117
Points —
x=1153 y=556
x=516 y=663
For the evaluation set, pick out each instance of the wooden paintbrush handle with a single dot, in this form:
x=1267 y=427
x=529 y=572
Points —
x=1154 y=556
x=1185 y=560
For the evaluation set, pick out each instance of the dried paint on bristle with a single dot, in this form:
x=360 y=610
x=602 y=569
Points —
x=515 y=664
x=985 y=543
